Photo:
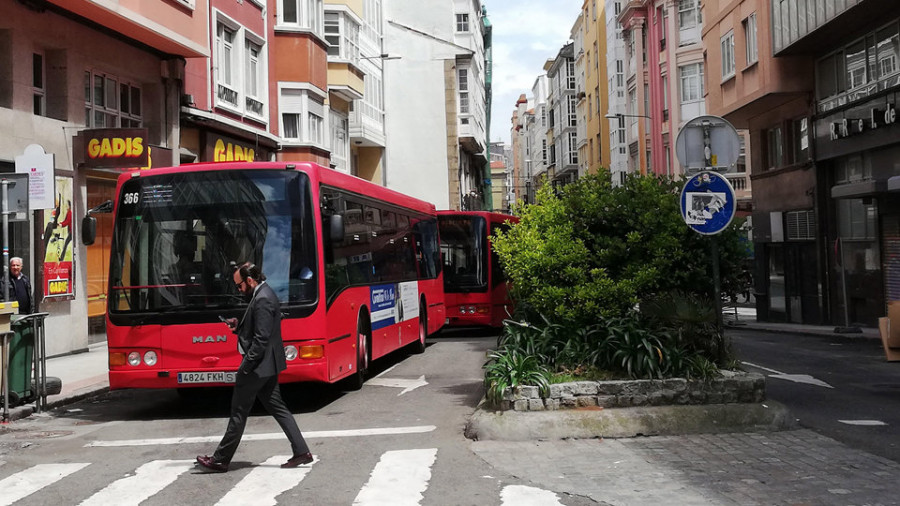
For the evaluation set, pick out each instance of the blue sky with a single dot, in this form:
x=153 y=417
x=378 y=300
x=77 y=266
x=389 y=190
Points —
x=526 y=34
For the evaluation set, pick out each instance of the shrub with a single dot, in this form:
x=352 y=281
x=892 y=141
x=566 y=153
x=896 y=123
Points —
x=592 y=250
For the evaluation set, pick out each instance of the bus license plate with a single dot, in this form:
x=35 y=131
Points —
x=206 y=377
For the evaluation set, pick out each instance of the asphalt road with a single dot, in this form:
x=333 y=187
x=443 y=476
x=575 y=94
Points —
x=839 y=386
x=398 y=440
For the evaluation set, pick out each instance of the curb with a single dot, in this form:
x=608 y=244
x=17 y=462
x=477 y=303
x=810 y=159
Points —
x=56 y=401
x=628 y=422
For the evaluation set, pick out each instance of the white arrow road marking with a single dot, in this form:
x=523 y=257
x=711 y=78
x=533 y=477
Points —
x=408 y=385
x=265 y=482
x=520 y=495
x=267 y=437
x=24 y=483
x=870 y=423
x=147 y=480
x=796 y=378
x=399 y=479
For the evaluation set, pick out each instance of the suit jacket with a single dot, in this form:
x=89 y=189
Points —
x=259 y=335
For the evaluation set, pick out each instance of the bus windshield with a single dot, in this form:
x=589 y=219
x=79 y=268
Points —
x=464 y=249
x=178 y=237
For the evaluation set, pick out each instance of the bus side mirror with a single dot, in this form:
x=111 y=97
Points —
x=336 y=228
x=89 y=223
x=88 y=230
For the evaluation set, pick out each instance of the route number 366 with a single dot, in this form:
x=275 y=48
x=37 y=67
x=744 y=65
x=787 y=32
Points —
x=130 y=198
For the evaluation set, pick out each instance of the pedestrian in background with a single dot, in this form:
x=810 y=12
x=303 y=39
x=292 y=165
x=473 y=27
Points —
x=19 y=286
x=259 y=341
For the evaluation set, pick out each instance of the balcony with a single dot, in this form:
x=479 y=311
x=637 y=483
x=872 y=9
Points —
x=797 y=30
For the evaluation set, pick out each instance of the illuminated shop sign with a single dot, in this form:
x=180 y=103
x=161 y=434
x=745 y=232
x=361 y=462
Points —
x=115 y=147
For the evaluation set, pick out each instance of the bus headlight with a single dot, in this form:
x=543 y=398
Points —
x=134 y=358
x=150 y=358
x=290 y=352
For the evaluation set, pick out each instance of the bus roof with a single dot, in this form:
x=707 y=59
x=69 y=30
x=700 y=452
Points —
x=489 y=215
x=316 y=172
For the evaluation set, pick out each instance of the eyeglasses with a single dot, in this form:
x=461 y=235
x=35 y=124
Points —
x=238 y=285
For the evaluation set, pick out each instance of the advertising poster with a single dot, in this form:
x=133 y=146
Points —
x=58 y=240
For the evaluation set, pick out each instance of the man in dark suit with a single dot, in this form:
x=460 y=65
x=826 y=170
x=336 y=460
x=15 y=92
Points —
x=259 y=341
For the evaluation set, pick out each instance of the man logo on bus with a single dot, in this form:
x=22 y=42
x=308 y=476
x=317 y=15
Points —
x=209 y=339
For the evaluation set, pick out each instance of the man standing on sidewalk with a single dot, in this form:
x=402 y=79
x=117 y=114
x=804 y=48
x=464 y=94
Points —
x=19 y=286
x=259 y=341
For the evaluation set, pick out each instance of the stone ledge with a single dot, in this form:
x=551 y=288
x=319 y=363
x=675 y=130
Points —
x=729 y=388
x=628 y=422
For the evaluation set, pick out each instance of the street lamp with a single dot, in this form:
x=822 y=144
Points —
x=382 y=56
x=620 y=115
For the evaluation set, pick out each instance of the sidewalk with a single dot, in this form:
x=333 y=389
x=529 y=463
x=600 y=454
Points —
x=82 y=374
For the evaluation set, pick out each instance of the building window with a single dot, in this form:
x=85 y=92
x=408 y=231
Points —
x=463 y=78
x=570 y=75
x=37 y=85
x=462 y=22
x=342 y=34
x=253 y=80
x=572 y=112
x=340 y=145
x=544 y=150
x=110 y=103
x=856 y=65
x=240 y=62
x=801 y=225
x=691 y=82
x=728 y=55
x=799 y=140
x=573 y=148
x=888 y=47
x=225 y=65
x=302 y=14
x=750 y=39
x=774 y=148
x=302 y=112
x=688 y=14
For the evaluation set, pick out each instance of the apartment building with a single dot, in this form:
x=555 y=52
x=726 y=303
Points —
x=664 y=80
x=591 y=67
x=436 y=96
x=562 y=134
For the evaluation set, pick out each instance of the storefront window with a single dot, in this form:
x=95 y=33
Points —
x=776 y=289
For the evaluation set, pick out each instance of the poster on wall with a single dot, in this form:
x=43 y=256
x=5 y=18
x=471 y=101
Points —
x=57 y=240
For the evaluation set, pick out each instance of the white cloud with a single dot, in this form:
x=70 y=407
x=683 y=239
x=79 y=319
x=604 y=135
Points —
x=526 y=34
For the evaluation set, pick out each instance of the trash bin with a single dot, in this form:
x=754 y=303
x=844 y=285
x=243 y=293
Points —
x=21 y=360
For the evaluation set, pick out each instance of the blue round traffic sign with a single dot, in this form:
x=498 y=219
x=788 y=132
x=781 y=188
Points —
x=707 y=203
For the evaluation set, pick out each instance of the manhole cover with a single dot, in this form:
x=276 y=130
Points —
x=44 y=434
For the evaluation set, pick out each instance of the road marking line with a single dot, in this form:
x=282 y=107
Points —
x=796 y=378
x=520 y=495
x=28 y=481
x=399 y=478
x=867 y=423
x=147 y=480
x=267 y=437
x=265 y=482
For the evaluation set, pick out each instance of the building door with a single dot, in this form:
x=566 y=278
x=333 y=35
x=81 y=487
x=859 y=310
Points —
x=97 y=265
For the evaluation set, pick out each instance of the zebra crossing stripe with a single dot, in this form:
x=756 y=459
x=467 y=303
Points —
x=378 y=431
x=521 y=495
x=399 y=479
x=265 y=482
x=26 y=482
x=147 y=480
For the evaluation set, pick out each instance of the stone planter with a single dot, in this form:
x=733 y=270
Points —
x=729 y=388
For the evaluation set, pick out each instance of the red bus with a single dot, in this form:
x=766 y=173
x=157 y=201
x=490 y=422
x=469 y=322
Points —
x=475 y=287
x=355 y=265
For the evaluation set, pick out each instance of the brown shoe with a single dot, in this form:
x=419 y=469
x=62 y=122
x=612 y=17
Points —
x=298 y=460
x=211 y=464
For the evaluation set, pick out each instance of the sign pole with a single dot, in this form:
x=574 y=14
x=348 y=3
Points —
x=4 y=208
x=717 y=283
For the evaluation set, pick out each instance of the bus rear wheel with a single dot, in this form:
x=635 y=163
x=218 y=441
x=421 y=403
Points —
x=419 y=345
x=355 y=382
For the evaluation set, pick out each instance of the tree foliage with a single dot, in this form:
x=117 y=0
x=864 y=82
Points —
x=591 y=249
